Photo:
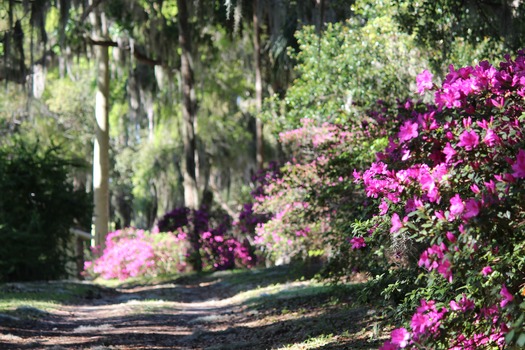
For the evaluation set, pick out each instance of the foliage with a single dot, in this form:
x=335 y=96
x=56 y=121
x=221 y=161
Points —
x=38 y=206
x=153 y=176
x=69 y=124
x=446 y=27
x=132 y=252
x=215 y=245
x=339 y=77
x=289 y=233
x=169 y=248
x=308 y=201
x=448 y=228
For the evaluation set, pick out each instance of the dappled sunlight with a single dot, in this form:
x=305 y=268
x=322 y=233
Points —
x=262 y=175
x=223 y=308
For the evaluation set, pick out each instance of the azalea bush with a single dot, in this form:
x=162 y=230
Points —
x=214 y=243
x=307 y=202
x=132 y=252
x=169 y=249
x=448 y=231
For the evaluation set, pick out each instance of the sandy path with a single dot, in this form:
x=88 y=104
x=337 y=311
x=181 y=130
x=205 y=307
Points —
x=165 y=316
x=266 y=309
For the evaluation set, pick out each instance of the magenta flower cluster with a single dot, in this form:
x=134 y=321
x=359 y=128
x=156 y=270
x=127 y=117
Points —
x=296 y=225
x=133 y=252
x=167 y=249
x=449 y=185
x=217 y=246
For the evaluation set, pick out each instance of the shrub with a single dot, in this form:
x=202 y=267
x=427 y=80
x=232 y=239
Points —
x=308 y=202
x=339 y=77
x=38 y=206
x=132 y=252
x=215 y=245
x=448 y=229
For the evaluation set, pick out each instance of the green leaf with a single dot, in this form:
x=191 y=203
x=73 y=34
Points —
x=519 y=321
x=509 y=336
x=521 y=340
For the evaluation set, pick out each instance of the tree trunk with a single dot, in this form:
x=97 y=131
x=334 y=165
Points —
x=191 y=196
x=101 y=144
x=189 y=107
x=259 y=141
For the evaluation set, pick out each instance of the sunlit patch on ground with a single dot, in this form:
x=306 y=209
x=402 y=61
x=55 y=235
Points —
x=263 y=309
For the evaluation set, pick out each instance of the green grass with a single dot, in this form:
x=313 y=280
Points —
x=298 y=293
x=136 y=281
x=311 y=343
x=236 y=280
x=44 y=296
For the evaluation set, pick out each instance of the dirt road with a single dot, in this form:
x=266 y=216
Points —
x=205 y=313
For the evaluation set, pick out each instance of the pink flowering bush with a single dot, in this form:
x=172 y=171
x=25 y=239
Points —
x=308 y=202
x=132 y=252
x=289 y=232
x=447 y=231
x=217 y=243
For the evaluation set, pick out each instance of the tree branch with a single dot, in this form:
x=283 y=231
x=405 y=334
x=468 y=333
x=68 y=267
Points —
x=139 y=56
x=223 y=203
x=90 y=8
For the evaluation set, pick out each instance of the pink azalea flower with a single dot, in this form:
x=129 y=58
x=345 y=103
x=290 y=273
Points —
x=406 y=154
x=400 y=337
x=383 y=207
x=397 y=224
x=519 y=166
x=358 y=243
x=463 y=305
x=413 y=204
x=491 y=186
x=407 y=131
x=427 y=181
x=507 y=297
x=427 y=184
x=487 y=270
x=388 y=346
x=449 y=152
x=424 y=81
x=419 y=323
x=468 y=140
x=424 y=259
x=451 y=237
x=445 y=270
x=448 y=97
x=498 y=102
x=439 y=172
x=439 y=215
x=456 y=206
x=472 y=207
x=434 y=259
x=357 y=175
x=490 y=138
x=467 y=122
x=427 y=306
x=454 y=306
